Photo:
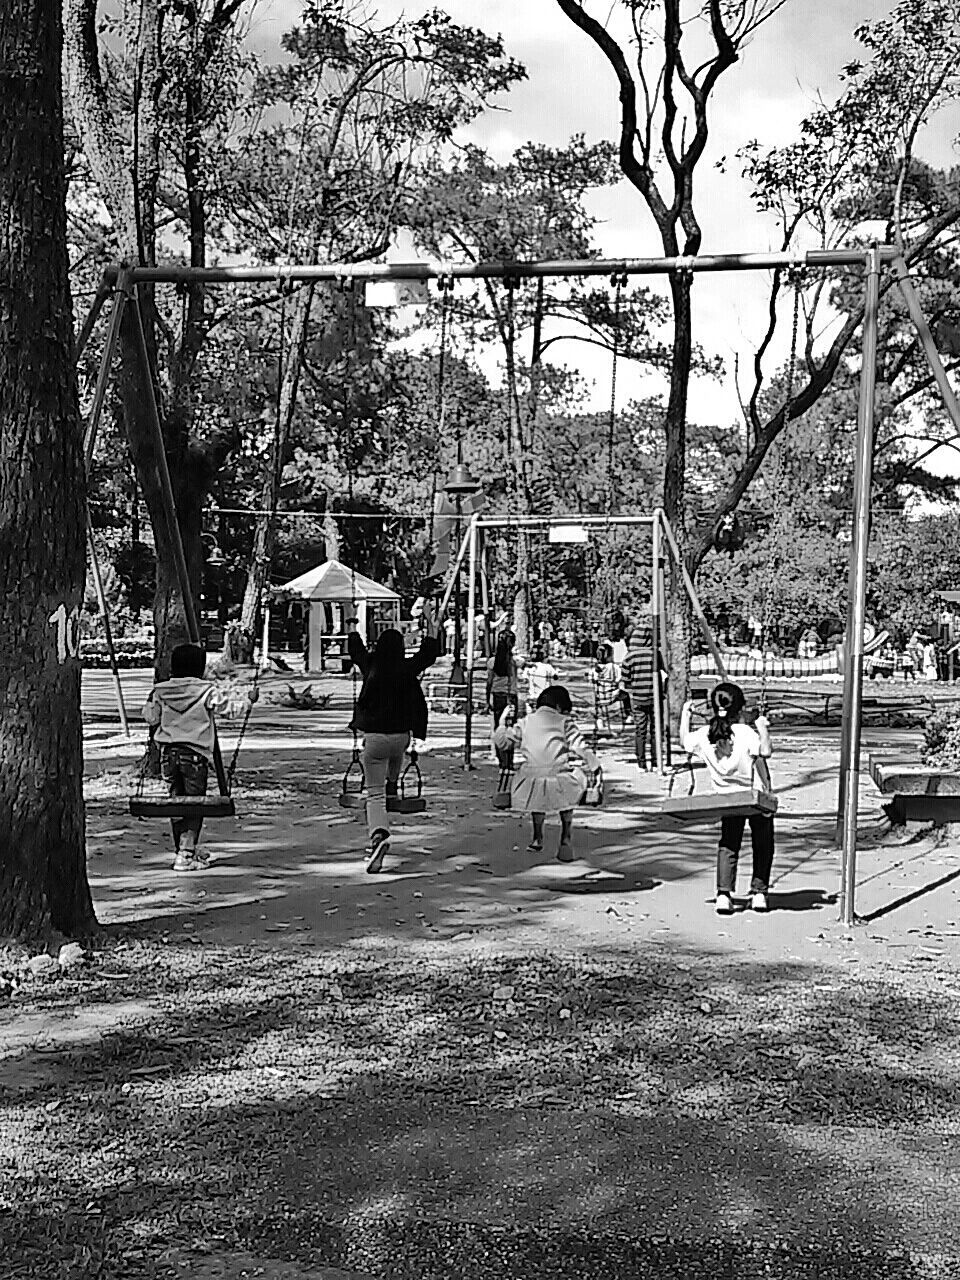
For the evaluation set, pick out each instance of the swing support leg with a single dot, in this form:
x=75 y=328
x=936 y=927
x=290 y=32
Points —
x=655 y=582
x=170 y=509
x=473 y=536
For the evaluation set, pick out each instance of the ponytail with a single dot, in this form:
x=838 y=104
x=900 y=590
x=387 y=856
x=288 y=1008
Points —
x=727 y=701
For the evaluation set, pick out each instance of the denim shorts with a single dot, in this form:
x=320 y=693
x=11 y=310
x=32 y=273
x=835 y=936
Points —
x=184 y=769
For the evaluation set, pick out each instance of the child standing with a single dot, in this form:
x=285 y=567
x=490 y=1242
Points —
x=182 y=710
x=502 y=686
x=732 y=751
x=639 y=683
x=608 y=695
x=540 y=675
x=552 y=779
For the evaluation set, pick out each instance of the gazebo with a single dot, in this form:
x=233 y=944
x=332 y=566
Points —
x=334 y=592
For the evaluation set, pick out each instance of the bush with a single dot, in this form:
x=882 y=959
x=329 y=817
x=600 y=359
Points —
x=941 y=740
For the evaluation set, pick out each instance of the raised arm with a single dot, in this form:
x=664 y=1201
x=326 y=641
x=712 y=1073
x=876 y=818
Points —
x=686 y=735
x=507 y=733
x=762 y=726
x=429 y=649
x=359 y=654
x=151 y=711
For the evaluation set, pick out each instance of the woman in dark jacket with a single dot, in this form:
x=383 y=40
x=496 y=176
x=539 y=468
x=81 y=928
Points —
x=390 y=709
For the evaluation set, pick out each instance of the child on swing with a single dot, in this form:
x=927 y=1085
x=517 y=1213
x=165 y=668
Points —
x=181 y=710
x=732 y=751
x=552 y=779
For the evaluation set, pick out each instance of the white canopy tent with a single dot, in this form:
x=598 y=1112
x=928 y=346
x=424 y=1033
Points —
x=335 y=592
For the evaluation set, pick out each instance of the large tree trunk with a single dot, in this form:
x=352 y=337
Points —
x=43 y=879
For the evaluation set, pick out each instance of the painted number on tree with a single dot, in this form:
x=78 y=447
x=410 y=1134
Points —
x=68 y=631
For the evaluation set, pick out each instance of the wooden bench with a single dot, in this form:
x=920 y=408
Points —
x=918 y=793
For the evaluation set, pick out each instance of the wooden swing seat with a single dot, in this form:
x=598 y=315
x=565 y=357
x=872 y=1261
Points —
x=215 y=806
x=709 y=808
x=351 y=799
x=502 y=799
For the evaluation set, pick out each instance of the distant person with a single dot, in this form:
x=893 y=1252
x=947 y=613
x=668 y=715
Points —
x=502 y=688
x=929 y=659
x=539 y=674
x=640 y=684
x=181 y=710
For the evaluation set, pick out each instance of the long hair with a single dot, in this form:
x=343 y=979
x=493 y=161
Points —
x=501 y=657
x=727 y=702
x=386 y=663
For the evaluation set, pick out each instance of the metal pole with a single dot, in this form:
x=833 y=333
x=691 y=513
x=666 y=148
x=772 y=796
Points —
x=500 y=270
x=655 y=612
x=106 y=365
x=694 y=598
x=950 y=401
x=445 y=598
x=473 y=535
x=107 y=629
x=170 y=507
x=93 y=315
x=856 y=611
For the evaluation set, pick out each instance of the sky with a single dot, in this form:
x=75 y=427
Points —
x=570 y=89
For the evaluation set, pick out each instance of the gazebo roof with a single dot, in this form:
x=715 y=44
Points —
x=334 y=582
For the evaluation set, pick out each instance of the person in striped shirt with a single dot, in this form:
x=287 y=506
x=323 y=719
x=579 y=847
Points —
x=637 y=674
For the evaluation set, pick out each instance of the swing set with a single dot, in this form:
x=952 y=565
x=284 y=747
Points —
x=122 y=283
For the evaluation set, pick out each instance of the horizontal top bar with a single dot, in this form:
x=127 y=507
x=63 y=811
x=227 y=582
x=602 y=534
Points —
x=507 y=522
x=348 y=272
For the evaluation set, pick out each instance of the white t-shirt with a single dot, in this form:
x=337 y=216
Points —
x=733 y=772
x=540 y=675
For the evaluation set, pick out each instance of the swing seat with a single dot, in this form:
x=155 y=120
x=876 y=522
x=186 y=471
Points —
x=502 y=799
x=351 y=800
x=406 y=804
x=709 y=808
x=182 y=806
x=403 y=803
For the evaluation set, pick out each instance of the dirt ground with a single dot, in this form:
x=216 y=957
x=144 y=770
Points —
x=483 y=1062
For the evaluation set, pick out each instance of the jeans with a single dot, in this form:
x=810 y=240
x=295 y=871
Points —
x=643 y=716
x=185 y=772
x=382 y=762
x=500 y=702
x=731 y=837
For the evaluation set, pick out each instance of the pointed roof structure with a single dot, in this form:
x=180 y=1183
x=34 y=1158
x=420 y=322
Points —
x=334 y=582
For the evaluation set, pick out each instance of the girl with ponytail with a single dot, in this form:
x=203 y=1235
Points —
x=732 y=751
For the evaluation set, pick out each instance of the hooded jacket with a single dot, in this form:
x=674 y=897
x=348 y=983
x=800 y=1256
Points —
x=182 y=708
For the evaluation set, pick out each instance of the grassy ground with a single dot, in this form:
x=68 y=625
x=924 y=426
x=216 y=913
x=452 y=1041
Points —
x=481 y=1065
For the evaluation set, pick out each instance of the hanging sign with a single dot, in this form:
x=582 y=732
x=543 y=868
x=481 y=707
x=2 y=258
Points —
x=396 y=293
x=568 y=533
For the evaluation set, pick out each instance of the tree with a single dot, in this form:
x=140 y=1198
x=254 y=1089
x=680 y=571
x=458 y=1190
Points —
x=43 y=881
x=153 y=133
x=532 y=207
x=814 y=188
x=355 y=106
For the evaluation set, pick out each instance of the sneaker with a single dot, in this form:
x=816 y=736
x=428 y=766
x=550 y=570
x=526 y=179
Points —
x=723 y=905
x=184 y=862
x=565 y=853
x=535 y=846
x=201 y=857
x=759 y=902
x=379 y=847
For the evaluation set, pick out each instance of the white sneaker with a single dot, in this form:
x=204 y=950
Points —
x=184 y=862
x=723 y=905
x=379 y=847
x=759 y=902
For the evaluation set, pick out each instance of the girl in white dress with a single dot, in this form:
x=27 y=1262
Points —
x=552 y=778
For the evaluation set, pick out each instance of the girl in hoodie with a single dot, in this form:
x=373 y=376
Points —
x=552 y=779
x=390 y=708
x=181 y=709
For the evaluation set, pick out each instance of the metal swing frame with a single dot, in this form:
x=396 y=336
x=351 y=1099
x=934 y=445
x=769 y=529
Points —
x=121 y=282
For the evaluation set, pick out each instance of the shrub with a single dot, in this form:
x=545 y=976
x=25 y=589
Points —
x=941 y=740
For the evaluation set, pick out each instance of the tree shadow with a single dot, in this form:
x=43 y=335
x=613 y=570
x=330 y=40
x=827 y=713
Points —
x=625 y=1116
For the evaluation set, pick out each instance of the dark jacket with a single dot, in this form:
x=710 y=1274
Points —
x=398 y=705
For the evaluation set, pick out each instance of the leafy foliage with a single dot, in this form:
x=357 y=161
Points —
x=941 y=740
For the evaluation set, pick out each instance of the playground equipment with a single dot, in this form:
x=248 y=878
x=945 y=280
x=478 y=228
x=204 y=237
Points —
x=123 y=283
